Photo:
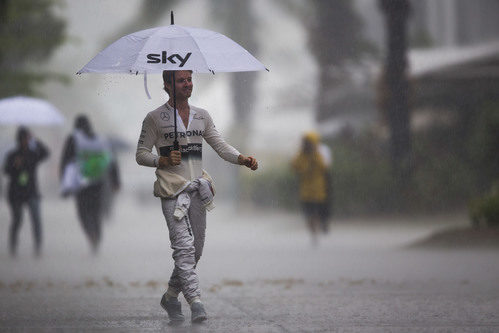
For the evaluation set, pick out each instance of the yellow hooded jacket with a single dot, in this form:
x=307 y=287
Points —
x=311 y=170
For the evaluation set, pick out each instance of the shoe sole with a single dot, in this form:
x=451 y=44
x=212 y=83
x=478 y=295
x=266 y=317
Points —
x=199 y=319
x=175 y=322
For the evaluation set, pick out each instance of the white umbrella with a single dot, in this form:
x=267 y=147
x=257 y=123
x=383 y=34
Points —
x=173 y=47
x=21 y=110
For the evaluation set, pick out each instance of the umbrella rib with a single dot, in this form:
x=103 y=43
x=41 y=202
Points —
x=197 y=45
x=133 y=68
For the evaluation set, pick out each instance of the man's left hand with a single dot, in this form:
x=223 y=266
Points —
x=249 y=162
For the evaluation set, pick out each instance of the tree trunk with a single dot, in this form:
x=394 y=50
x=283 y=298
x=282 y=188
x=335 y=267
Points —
x=396 y=83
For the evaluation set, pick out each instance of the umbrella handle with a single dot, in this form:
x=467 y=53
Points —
x=175 y=142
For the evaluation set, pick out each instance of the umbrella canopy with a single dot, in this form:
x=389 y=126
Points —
x=173 y=47
x=21 y=110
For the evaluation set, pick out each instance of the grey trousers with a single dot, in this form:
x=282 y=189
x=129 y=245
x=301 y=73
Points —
x=187 y=241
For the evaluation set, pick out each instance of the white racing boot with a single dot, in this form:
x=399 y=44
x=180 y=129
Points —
x=198 y=314
x=174 y=309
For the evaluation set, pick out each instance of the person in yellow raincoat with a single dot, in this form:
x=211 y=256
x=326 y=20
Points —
x=311 y=167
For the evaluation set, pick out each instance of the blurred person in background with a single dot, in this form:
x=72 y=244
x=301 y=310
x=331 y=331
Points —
x=185 y=189
x=86 y=165
x=311 y=165
x=20 y=166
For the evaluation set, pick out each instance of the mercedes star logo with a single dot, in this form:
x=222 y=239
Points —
x=165 y=116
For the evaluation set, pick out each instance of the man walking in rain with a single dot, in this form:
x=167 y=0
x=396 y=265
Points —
x=185 y=189
x=20 y=167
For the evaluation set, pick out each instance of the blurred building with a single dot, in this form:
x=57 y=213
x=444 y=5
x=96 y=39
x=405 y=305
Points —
x=436 y=23
x=454 y=48
x=455 y=22
x=455 y=77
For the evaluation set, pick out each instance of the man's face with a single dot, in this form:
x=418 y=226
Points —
x=183 y=84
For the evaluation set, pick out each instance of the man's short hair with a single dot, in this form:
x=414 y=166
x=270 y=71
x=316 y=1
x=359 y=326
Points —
x=167 y=78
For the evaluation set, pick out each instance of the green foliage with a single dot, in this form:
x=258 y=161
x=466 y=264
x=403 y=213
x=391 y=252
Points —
x=441 y=183
x=29 y=34
x=485 y=210
x=362 y=181
x=421 y=39
x=482 y=149
x=483 y=145
x=443 y=178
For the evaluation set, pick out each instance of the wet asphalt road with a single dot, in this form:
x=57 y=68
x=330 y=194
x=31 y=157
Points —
x=259 y=273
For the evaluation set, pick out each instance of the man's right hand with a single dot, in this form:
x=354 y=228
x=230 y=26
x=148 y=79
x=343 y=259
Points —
x=174 y=159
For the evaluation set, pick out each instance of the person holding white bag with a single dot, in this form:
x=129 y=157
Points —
x=86 y=165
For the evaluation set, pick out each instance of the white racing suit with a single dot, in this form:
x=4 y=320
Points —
x=186 y=190
x=186 y=237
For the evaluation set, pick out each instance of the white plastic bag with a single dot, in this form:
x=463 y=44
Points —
x=72 y=180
